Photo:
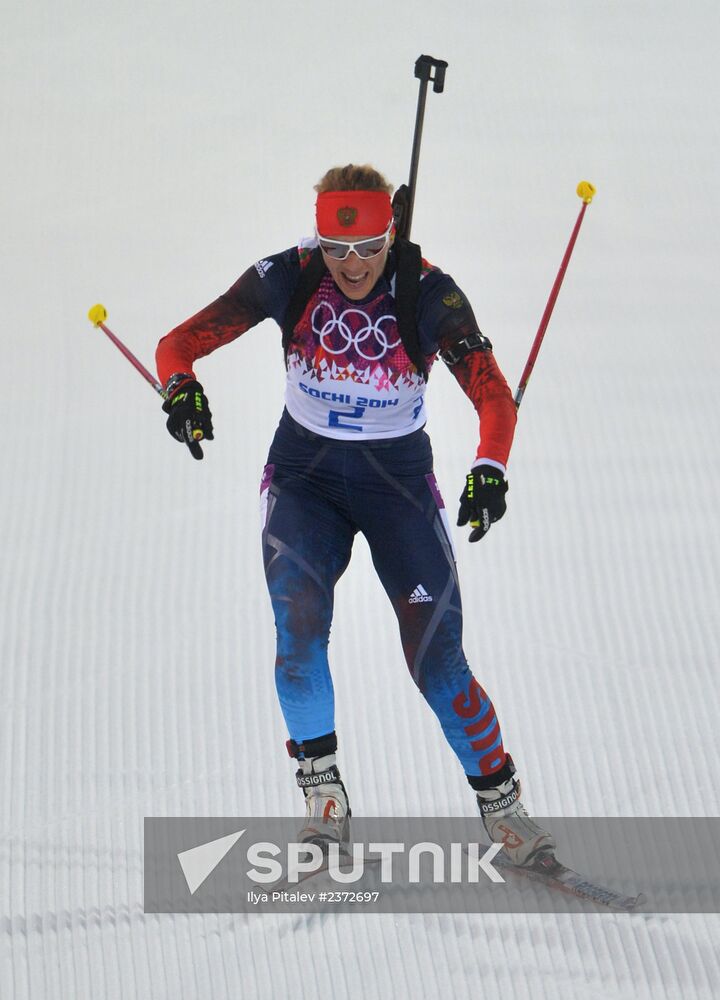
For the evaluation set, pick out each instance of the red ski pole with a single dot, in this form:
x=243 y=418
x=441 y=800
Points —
x=585 y=191
x=97 y=316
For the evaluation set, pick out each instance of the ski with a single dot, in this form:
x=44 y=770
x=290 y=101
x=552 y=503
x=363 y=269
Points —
x=553 y=874
x=545 y=870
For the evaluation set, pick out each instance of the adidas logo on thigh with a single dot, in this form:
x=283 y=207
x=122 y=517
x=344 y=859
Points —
x=419 y=595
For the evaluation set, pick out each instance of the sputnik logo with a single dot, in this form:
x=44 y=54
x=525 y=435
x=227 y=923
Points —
x=198 y=863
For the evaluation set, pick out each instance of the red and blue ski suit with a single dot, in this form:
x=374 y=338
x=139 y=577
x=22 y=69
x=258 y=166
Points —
x=351 y=455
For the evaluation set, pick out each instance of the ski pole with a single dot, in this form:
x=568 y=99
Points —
x=586 y=191
x=404 y=198
x=97 y=316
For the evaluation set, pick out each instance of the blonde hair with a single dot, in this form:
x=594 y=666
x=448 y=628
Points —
x=353 y=178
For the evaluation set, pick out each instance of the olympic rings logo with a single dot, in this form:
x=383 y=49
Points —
x=337 y=336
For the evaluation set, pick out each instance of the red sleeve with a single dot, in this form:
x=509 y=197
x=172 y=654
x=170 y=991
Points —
x=221 y=322
x=482 y=382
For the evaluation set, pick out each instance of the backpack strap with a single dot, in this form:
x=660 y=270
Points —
x=407 y=289
x=308 y=283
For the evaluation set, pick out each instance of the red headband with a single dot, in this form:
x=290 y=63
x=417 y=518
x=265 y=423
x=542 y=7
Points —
x=355 y=213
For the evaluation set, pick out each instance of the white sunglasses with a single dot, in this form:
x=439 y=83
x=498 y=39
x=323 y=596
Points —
x=340 y=249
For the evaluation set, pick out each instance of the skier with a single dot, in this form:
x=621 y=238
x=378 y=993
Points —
x=361 y=330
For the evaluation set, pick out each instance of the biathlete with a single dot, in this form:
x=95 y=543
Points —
x=363 y=319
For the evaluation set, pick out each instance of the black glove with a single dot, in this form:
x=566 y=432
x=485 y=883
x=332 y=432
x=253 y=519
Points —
x=483 y=500
x=190 y=419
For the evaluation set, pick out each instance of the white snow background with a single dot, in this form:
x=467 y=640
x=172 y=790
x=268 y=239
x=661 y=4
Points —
x=151 y=152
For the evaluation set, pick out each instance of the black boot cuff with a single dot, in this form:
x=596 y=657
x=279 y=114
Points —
x=318 y=747
x=481 y=782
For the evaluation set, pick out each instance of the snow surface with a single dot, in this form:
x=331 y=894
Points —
x=153 y=151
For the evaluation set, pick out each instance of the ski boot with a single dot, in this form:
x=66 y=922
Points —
x=505 y=818
x=327 y=812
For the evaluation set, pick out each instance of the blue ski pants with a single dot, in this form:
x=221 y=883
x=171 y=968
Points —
x=316 y=494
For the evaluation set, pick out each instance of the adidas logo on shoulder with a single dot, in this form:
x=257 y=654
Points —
x=419 y=595
x=263 y=266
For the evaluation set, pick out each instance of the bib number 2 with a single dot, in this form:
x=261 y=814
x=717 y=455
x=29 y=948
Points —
x=337 y=418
